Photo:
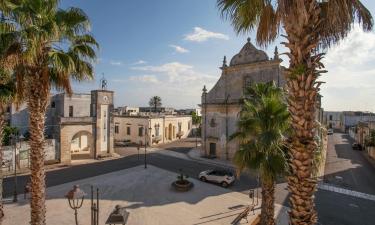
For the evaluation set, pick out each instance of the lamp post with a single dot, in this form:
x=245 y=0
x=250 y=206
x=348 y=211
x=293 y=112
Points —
x=118 y=216
x=75 y=198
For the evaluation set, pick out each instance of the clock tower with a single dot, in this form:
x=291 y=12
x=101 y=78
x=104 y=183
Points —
x=101 y=108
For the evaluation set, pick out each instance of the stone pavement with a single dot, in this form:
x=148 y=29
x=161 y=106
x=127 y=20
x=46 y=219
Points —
x=147 y=195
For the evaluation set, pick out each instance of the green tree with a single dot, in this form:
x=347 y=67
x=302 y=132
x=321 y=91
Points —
x=56 y=47
x=264 y=119
x=309 y=27
x=195 y=118
x=155 y=102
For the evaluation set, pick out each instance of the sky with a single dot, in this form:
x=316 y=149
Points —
x=172 y=48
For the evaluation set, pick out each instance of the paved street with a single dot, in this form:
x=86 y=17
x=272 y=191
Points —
x=346 y=167
x=333 y=208
x=159 y=205
x=181 y=146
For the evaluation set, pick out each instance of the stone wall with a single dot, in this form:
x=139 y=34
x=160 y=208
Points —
x=50 y=148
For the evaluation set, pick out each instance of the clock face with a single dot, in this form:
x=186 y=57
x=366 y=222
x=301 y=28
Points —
x=105 y=98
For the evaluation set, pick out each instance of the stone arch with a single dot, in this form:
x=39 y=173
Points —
x=82 y=144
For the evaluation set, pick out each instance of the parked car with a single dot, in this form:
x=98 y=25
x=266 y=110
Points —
x=356 y=146
x=330 y=131
x=222 y=177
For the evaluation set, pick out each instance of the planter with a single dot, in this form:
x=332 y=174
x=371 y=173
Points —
x=182 y=186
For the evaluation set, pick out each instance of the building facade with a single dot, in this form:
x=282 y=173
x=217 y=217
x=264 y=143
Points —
x=334 y=120
x=151 y=130
x=222 y=104
x=80 y=124
x=352 y=118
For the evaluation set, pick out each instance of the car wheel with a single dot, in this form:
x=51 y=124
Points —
x=203 y=179
x=224 y=184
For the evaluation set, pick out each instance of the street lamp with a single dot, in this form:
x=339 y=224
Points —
x=75 y=198
x=15 y=139
x=118 y=216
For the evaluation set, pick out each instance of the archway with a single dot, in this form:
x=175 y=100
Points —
x=81 y=145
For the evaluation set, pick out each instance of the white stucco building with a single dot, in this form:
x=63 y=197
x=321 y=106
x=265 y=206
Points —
x=151 y=129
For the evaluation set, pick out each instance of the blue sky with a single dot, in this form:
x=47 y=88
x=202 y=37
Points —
x=172 y=48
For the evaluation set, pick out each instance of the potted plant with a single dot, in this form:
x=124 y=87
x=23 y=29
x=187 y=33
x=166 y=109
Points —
x=182 y=183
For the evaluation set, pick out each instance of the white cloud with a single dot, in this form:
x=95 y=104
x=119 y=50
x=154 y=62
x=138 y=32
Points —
x=350 y=81
x=176 y=72
x=179 y=49
x=199 y=35
x=115 y=63
x=140 y=62
x=179 y=85
x=145 y=78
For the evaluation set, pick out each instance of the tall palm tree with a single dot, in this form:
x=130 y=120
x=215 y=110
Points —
x=310 y=27
x=155 y=102
x=264 y=119
x=57 y=47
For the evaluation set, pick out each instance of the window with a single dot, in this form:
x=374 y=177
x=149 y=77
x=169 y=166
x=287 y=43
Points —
x=128 y=130
x=189 y=125
x=330 y=117
x=157 y=126
x=116 y=129
x=179 y=126
x=70 y=111
x=53 y=105
x=213 y=122
x=8 y=109
x=140 y=131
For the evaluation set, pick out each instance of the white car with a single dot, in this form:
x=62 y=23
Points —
x=330 y=131
x=222 y=177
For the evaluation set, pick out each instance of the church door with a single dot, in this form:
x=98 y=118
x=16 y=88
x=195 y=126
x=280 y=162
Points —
x=212 y=149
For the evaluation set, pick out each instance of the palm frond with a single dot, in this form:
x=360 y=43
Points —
x=337 y=18
x=264 y=119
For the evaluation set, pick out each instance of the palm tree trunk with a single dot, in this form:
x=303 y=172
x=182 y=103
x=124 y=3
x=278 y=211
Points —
x=37 y=103
x=300 y=26
x=268 y=203
x=2 y=124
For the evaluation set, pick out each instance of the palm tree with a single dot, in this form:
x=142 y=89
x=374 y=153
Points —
x=264 y=119
x=309 y=27
x=155 y=102
x=56 y=48
x=9 y=50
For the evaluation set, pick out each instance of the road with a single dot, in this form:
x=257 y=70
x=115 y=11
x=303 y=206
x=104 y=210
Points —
x=333 y=208
x=346 y=167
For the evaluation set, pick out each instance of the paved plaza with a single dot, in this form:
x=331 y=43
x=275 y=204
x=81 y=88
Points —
x=148 y=197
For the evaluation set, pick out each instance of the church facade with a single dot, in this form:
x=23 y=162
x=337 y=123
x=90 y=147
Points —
x=221 y=105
